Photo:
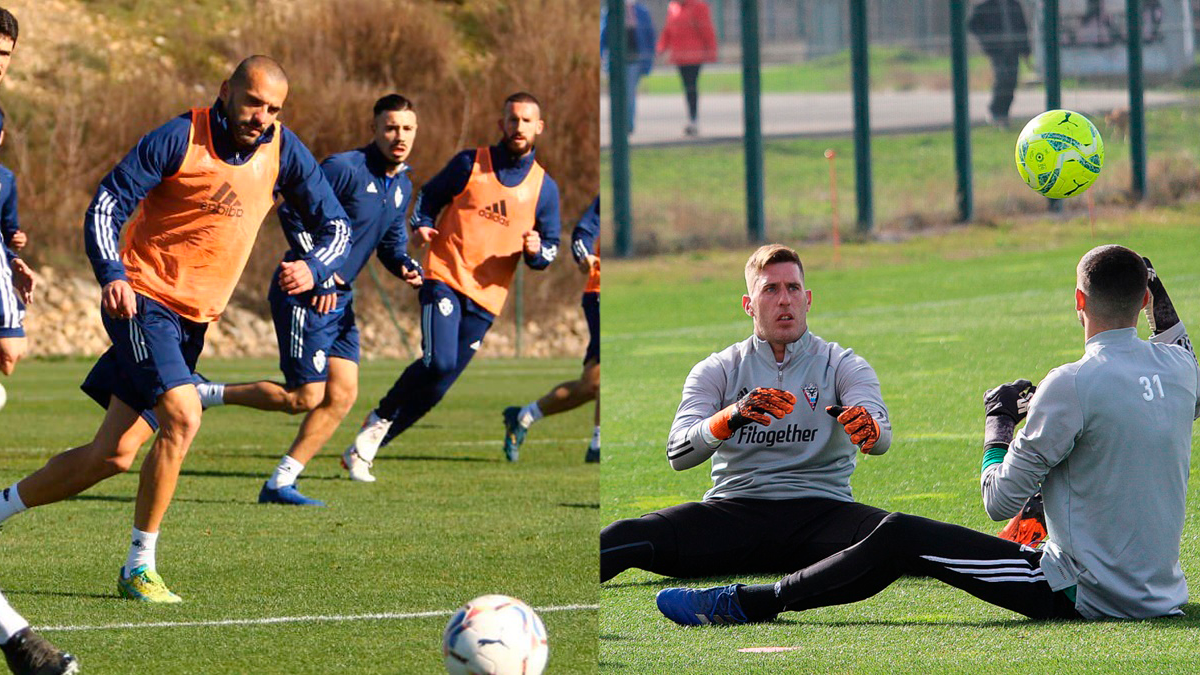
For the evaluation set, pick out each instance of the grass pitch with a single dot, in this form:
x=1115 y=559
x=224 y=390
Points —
x=296 y=587
x=941 y=320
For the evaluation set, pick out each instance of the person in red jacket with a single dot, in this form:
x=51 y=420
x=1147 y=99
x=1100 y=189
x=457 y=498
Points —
x=689 y=38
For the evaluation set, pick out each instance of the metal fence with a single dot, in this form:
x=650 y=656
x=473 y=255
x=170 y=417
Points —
x=690 y=189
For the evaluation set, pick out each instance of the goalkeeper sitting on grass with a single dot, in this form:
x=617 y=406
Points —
x=764 y=410
x=1121 y=415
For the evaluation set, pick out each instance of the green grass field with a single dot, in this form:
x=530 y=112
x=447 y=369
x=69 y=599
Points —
x=448 y=520
x=941 y=319
x=894 y=68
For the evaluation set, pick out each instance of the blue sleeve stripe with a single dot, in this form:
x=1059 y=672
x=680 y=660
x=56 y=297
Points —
x=102 y=225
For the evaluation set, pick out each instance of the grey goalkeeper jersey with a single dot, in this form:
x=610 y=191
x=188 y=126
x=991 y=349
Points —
x=805 y=454
x=1109 y=439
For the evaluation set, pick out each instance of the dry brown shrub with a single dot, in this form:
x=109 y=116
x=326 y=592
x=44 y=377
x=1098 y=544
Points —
x=457 y=60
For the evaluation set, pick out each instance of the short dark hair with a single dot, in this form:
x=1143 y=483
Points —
x=8 y=24
x=1114 y=280
x=257 y=63
x=393 y=103
x=523 y=97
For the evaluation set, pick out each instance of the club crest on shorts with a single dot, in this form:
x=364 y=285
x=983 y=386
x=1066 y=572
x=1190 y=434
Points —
x=319 y=360
x=811 y=394
x=445 y=306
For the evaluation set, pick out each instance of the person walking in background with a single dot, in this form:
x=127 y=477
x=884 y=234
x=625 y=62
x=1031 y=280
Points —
x=1000 y=27
x=689 y=38
x=639 y=49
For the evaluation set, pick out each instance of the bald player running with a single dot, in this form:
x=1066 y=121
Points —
x=781 y=464
x=1119 y=416
x=205 y=181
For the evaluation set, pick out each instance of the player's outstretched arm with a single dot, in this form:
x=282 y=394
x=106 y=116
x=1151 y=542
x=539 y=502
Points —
x=1165 y=326
x=1014 y=464
x=1160 y=313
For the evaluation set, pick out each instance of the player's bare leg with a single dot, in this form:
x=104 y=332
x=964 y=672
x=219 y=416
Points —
x=11 y=351
x=267 y=395
x=341 y=391
x=570 y=395
x=178 y=411
x=561 y=398
x=112 y=451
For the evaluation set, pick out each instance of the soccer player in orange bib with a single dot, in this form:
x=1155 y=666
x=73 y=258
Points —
x=205 y=182
x=488 y=209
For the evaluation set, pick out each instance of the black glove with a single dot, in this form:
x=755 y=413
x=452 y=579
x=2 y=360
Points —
x=1005 y=406
x=1010 y=400
x=1160 y=313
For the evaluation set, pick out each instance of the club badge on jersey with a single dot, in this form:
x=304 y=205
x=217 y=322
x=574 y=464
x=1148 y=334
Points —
x=811 y=394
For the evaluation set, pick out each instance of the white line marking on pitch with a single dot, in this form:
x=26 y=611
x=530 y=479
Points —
x=292 y=619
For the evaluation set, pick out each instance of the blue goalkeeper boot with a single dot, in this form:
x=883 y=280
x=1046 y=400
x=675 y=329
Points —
x=288 y=494
x=694 y=607
x=514 y=433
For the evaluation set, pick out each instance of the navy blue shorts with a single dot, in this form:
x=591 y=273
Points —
x=153 y=352
x=307 y=339
x=591 y=310
x=12 y=310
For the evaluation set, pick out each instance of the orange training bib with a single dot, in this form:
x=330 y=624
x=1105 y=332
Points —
x=480 y=234
x=188 y=245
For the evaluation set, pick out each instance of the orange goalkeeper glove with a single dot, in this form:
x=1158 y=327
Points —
x=863 y=429
x=758 y=407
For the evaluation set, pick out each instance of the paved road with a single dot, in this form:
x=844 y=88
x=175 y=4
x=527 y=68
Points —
x=660 y=117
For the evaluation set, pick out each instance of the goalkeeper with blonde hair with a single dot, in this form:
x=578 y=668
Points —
x=782 y=415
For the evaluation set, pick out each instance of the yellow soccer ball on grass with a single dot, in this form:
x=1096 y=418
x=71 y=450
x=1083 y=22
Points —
x=1059 y=154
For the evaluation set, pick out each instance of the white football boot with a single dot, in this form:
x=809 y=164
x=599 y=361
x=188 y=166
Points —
x=358 y=457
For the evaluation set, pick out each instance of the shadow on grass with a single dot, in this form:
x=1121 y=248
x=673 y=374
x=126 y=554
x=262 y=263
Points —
x=435 y=458
x=260 y=475
x=594 y=505
x=133 y=499
x=60 y=594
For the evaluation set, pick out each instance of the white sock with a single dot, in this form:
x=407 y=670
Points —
x=211 y=393
x=286 y=473
x=11 y=623
x=529 y=414
x=595 y=444
x=141 y=551
x=10 y=503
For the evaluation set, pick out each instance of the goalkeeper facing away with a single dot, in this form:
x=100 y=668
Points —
x=780 y=414
x=1119 y=416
